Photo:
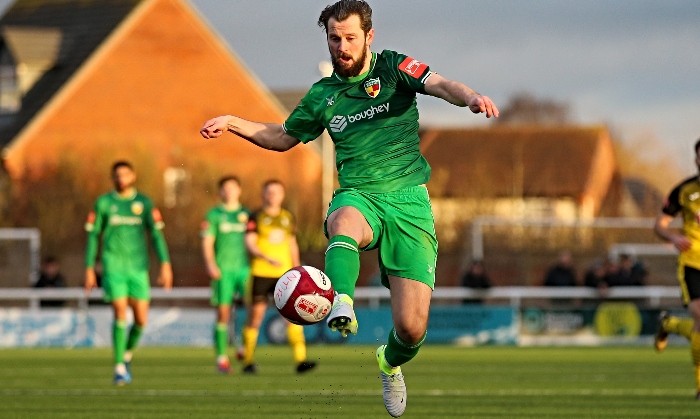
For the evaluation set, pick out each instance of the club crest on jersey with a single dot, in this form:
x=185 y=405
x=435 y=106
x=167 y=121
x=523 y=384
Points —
x=137 y=208
x=372 y=87
x=242 y=217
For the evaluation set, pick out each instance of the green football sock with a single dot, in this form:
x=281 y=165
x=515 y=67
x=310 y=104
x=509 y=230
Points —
x=221 y=338
x=119 y=340
x=134 y=336
x=343 y=264
x=399 y=352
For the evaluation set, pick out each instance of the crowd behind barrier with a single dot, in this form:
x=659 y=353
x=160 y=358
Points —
x=374 y=296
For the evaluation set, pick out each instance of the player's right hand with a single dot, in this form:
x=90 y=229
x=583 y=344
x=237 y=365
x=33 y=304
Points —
x=273 y=262
x=681 y=243
x=90 y=280
x=214 y=272
x=215 y=127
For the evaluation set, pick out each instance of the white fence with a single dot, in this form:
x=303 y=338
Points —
x=374 y=295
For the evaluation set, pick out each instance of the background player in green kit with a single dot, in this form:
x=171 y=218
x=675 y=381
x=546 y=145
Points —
x=123 y=218
x=223 y=245
x=684 y=200
x=368 y=106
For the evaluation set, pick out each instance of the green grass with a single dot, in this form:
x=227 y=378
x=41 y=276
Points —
x=443 y=382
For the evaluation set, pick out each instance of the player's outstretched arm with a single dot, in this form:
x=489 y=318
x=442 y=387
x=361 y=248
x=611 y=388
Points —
x=664 y=232
x=459 y=94
x=267 y=136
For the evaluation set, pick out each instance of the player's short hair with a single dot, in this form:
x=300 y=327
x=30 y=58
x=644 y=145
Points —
x=272 y=182
x=697 y=146
x=343 y=9
x=227 y=178
x=50 y=259
x=121 y=163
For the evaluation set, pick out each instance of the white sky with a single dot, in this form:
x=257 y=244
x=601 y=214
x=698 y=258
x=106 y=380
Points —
x=634 y=65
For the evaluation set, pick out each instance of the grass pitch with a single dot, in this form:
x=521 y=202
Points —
x=443 y=382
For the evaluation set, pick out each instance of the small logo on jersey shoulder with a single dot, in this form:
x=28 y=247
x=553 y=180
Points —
x=330 y=101
x=242 y=217
x=372 y=87
x=338 y=123
x=693 y=196
x=413 y=68
x=137 y=207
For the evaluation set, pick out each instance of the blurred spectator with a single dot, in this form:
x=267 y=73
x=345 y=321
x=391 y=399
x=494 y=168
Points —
x=611 y=271
x=596 y=275
x=51 y=277
x=629 y=273
x=562 y=274
x=477 y=278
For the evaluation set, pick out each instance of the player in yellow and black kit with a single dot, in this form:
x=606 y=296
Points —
x=684 y=200
x=273 y=247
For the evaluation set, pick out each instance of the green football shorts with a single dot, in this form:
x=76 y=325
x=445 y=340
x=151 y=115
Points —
x=404 y=230
x=134 y=284
x=230 y=284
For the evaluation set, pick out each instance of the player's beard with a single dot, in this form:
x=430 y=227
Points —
x=354 y=69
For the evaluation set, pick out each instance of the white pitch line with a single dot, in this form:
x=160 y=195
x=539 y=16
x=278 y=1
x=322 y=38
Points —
x=298 y=393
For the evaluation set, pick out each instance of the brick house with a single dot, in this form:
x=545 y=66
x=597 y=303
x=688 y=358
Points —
x=83 y=84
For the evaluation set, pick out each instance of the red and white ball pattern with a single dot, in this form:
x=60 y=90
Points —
x=304 y=295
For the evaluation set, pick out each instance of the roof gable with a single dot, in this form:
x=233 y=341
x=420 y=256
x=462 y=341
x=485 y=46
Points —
x=79 y=25
x=520 y=162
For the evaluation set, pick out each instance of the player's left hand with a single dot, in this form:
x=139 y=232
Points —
x=215 y=127
x=483 y=104
x=165 y=279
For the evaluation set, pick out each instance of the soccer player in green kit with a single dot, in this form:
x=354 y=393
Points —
x=368 y=106
x=122 y=218
x=223 y=245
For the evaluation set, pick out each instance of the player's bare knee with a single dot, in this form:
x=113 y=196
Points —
x=348 y=221
x=410 y=333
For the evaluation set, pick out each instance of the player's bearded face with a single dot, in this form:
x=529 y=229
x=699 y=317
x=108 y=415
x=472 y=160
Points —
x=123 y=178
x=345 y=65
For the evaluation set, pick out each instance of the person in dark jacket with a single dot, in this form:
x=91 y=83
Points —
x=50 y=277
x=562 y=274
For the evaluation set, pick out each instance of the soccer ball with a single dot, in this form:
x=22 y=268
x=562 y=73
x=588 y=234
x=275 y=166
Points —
x=304 y=295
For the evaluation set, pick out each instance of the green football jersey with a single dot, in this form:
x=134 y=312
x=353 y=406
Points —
x=373 y=121
x=123 y=223
x=228 y=229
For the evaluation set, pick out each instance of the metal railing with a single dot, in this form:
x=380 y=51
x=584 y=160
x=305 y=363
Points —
x=374 y=295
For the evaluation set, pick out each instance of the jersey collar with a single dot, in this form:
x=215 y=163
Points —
x=358 y=77
x=124 y=198
x=223 y=207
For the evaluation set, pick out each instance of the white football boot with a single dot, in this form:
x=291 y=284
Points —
x=394 y=387
x=342 y=316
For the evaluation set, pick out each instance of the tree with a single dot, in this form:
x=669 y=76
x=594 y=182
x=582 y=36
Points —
x=525 y=108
